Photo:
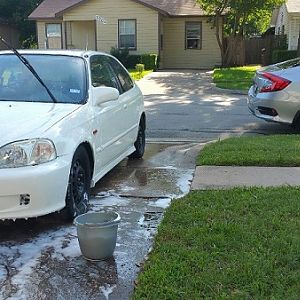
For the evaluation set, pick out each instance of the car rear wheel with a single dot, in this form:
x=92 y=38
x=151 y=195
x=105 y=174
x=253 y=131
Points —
x=79 y=185
x=139 y=143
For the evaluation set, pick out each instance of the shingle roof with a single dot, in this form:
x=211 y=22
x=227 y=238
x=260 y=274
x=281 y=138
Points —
x=293 y=6
x=49 y=9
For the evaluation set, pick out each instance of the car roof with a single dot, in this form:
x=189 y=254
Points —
x=73 y=52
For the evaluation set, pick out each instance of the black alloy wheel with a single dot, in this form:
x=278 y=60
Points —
x=79 y=185
x=139 y=144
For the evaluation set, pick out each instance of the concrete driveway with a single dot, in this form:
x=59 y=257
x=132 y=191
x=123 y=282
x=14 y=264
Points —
x=185 y=105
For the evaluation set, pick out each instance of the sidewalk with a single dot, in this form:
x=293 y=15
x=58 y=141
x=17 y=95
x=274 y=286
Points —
x=216 y=177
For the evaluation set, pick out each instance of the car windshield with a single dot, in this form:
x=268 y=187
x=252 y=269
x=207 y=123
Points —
x=63 y=75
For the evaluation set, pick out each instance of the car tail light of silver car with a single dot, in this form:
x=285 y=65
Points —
x=272 y=83
x=27 y=153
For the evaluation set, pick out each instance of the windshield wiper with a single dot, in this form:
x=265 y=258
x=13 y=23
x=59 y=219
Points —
x=29 y=67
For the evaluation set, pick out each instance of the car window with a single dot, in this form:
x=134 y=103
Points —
x=64 y=76
x=101 y=72
x=124 y=79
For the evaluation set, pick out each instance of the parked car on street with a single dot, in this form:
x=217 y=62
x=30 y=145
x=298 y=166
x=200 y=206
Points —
x=275 y=93
x=67 y=118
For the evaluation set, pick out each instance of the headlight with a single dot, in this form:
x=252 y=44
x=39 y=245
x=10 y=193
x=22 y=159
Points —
x=26 y=153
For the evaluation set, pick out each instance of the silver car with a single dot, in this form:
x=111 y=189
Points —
x=275 y=94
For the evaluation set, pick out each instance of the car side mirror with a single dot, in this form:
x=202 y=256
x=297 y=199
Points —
x=104 y=94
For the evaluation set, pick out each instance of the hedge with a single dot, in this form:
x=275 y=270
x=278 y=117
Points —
x=282 y=55
x=130 y=61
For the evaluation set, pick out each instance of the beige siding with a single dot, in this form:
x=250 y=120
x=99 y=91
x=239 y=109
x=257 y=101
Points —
x=81 y=35
x=111 y=11
x=282 y=20
x=293 y=33
x=41 y=35
x=176 y=56
x=291 y=23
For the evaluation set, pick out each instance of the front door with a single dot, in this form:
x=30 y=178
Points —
x=107 y=117
x=53 y=36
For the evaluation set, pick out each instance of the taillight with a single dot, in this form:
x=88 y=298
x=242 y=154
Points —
x=273 y=83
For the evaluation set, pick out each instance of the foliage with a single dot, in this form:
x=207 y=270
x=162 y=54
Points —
x=121 y=54
x=282 y=55
x=238 y=78
x=29 y=43
x=273 y=150
x=17 y=12
x=149 y=60
x=140 y=68
x=226 y=244
x=137 y=75
x=244 y=17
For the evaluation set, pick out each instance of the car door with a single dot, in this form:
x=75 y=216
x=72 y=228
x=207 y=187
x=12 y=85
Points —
x=130 y=101
x=108 y=129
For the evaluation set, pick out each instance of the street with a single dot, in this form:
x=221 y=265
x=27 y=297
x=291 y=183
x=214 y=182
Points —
x=186 y=106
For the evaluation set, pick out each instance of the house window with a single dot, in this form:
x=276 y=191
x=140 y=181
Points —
x=127 y=34
x=53 y=30
x=193 y=35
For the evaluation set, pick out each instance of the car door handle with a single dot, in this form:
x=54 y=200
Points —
x=125 y=106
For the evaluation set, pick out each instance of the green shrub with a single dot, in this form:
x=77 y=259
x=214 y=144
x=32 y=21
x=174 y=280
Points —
x=140 y=68
x=150 y=61
x=133 y=60
x=121 y=54
x=282 y=55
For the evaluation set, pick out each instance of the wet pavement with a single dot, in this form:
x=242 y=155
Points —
x=41 y=259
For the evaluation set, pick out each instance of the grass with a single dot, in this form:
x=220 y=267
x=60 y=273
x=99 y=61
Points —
x=137 y=75
x=239 y=78
x=273 y=150
x=232 y=244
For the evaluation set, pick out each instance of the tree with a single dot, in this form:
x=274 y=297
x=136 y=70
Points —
x=17 y=12
x=243 y=17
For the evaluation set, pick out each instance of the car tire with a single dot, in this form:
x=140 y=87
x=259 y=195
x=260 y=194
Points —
x=139 y=144
x=77 y=197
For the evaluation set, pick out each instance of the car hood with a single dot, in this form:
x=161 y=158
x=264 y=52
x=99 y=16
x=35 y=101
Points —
x=23 y=120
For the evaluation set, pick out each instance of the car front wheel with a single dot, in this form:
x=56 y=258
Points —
x=139 y=144
x=78 y=186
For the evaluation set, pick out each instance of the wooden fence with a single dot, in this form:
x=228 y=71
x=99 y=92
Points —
x=241 y=51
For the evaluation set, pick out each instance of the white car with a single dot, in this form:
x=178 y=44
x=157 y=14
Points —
x=67 y=118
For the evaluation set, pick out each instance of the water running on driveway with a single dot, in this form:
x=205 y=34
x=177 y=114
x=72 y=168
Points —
x=41 y=259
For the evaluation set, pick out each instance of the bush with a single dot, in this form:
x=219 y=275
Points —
x=133 y=60
x=121 y=54
x=150 y=61
x=140 y=68
x=282 y=55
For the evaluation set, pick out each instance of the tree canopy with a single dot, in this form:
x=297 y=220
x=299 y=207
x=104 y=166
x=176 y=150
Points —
x=244 y=17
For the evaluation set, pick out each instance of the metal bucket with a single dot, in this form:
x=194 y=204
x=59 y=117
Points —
x=97 y=234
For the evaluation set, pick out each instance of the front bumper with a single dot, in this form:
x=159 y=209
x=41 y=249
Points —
x=34 y=191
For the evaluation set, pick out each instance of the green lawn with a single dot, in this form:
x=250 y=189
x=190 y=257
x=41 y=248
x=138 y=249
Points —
x=242 y=243
x=232 y=244
x=136 y=75
x=275 y=150
x=239 y=78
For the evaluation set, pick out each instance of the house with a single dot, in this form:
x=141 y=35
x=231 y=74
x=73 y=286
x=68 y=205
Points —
x=10 y=33
x=176 y=30
x=286 y=20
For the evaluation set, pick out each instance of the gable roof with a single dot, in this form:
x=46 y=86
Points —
x=293 y=6
x=50 y=9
